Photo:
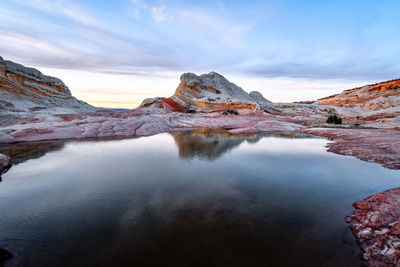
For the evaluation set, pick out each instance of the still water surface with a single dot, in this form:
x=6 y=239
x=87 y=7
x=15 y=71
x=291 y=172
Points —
x=195 y=198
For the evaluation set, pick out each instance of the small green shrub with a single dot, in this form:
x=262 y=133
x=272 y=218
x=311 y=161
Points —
x=230 y=111
x=335 y=119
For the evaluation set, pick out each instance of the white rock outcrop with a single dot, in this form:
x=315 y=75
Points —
x=213 y=91
x=261 y=100
x=25 y=90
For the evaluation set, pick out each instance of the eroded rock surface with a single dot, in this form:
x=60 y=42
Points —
x=373 y=97
x=376 y=224
x=24 y=91
x=139 y=122
x=378 y=145
x=213 y=91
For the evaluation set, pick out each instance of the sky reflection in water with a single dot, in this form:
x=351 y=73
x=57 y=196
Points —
x=185 y=198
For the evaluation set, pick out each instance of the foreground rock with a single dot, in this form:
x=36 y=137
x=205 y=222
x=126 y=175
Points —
x=139 y=122
x=5 y=164
x=376 y=224
x=26 y=91
x=373 y=97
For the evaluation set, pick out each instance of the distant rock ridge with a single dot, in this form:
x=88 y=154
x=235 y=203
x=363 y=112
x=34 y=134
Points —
x=24 y=89
x=210 y=92
x=373 y=97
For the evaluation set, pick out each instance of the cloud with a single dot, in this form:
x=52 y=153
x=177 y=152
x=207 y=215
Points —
x=160 y=13
x=217 y=26
x=139 y=3
x=19 y=45
x=88 y=46
x=182 y=37
x=92 y=46
x=32 y=50
x=350 y=67
x=61 y=7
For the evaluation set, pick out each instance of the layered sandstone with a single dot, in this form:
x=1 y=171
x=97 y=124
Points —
x=213 y=91
x=24 y=89
x=373 y=97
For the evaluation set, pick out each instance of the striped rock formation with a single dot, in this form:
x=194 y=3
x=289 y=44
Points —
x=373 y=97
x=24 y=89
x=211 y=92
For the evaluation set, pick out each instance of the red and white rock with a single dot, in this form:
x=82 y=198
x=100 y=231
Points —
x=213 y=91
x=373 y=97
x=376 y=224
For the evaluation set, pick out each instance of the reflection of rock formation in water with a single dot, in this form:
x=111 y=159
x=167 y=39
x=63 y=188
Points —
x=212 y=143
x=22 y=152
x=208 y=143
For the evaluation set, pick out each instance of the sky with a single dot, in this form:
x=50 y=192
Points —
x=116 y=53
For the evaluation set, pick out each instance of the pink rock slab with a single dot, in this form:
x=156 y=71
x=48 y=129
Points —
x=139 y=122
x=376 y=224
x=377 y=145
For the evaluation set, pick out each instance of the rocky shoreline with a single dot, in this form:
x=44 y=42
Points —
x=374 y=145
x=377 y=145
